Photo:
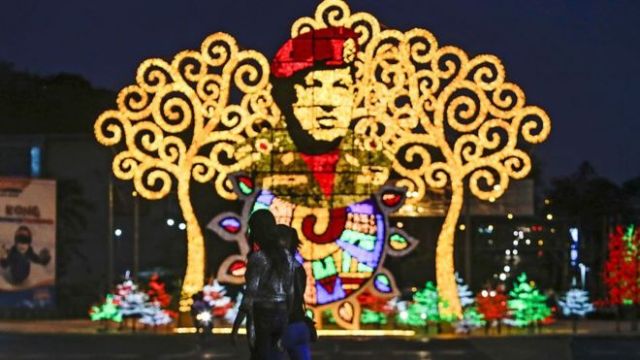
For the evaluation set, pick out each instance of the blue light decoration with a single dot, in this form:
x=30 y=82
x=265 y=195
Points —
x=575 y=242
x=36 y=161
x=342 y=249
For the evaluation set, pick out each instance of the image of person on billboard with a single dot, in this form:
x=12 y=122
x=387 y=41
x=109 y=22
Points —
x=19 y=257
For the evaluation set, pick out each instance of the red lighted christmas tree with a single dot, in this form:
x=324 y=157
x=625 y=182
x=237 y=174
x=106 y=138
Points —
x=157 y=292
x=621 y=268
x=492 y=304
x=158 y=295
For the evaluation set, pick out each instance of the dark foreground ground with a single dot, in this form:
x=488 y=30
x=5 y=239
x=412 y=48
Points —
x=139 y=346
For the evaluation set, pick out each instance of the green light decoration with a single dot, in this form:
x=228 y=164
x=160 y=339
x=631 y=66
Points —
x=108 y=311
x=471 y=319
x=425 y=308
x=398 y=242
x=372 y=317
x=526 y=304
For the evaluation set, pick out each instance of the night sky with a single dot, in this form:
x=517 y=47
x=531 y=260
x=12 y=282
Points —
x=578 y=59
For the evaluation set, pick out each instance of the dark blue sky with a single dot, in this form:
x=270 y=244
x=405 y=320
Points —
x=578 y=59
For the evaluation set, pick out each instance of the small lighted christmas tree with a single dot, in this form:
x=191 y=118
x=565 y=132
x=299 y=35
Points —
x=423 y=309
x=215 y=296
x=107 y=311
x=154 y=315
x=492 y=304
x=131 y=300
x=621 y=268
x=471 y=318
x=466 y=296
x=526 y=304
x=157 y=292
x=576 y=302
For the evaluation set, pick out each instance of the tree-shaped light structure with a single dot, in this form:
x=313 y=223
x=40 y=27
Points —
x=423 y=309
x=215 y=296
x=576 y=302
x=466 y=296
x=444 y=120
x=130 y=299
x=178 y=123
x=526 y=304
x=492 y=304
x=471 y=317
x=621 y=268
x=154 y=315
x=157 y=292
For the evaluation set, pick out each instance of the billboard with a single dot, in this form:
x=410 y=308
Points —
x=27 y=242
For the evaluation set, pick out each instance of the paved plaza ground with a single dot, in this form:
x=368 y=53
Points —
x=79 y=339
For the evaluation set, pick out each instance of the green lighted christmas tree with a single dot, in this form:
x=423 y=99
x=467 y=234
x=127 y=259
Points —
x=471 y=319
x=107 y=311
x=423 y=309
x=526 y=304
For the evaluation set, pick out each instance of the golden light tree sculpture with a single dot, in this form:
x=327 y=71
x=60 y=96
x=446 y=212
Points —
x=444 y=118
x=179 y=122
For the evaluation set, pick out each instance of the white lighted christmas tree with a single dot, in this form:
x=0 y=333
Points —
x=471 y=318
x=154 y=315
x=466 y=296
x=131 y=300
x=215 y=296
x=576 y=303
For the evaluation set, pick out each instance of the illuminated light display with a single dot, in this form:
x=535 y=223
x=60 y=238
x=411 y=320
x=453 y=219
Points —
x=108 y=311
x=321 y=332
x=441 y=117
x=576 y=303
x=492 y=304
x=396 y=102
x=526 y=304
x=621 y=268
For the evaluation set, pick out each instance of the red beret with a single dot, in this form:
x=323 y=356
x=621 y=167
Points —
x=324 y=46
